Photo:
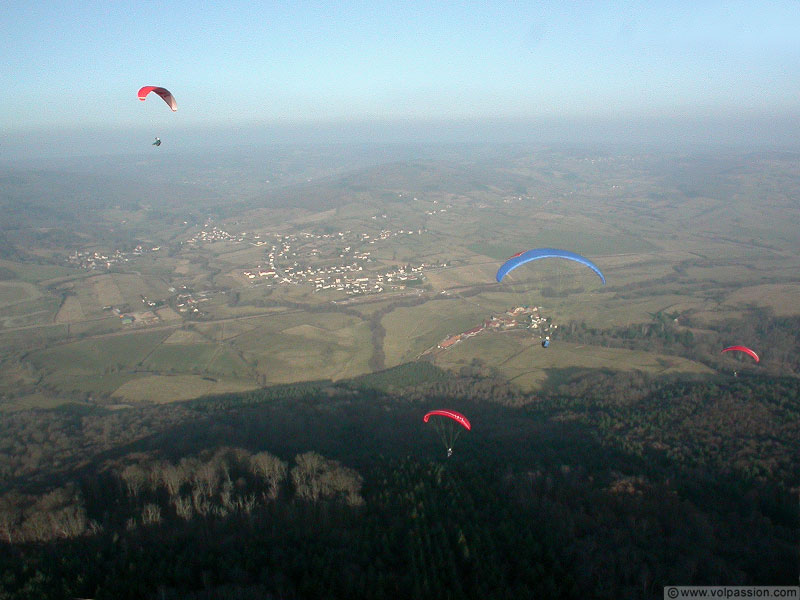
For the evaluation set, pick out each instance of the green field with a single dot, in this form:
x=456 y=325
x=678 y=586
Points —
x=411 y=331
x=195 y=358
x=99 y=355
x=40 y=311
x=301 y=347
x=521 y=358
x=580 y=241
x=36 y=273
x=14 y=292
x=171 y=388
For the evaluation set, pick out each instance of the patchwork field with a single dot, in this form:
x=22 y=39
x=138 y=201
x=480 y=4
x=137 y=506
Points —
x=36 y=273
x=173 y=388
x=411 y=331
x=106 y=291
x=521 y=358
x=15 y=292
x=305 y=346
x=782 y=299
x=70 y=311
x=98 y=355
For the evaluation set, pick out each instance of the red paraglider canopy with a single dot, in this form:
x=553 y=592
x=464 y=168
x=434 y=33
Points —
x=456 y=416
x=744 y=349
x=163 y=92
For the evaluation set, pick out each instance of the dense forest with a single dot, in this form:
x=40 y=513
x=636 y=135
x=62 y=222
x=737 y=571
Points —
x=605 y=486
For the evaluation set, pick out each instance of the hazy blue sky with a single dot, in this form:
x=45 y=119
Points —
x=79 y=64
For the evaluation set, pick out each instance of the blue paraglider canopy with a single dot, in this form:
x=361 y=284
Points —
x=537 y=253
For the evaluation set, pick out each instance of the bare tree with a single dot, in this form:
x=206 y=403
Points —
x=315 y=477
x=238 y=457
x=346 y=482
x=246 y=504
x=190 y=466
x=307 y=475
x=226 y=494
x=151 y=514
x=154 y=471
x=271 y=469
x=227 y=457
x=200 y=502
x=183 y=507
x=135 y=478
x=207 y=477
x=38 y=527
x=69 y=522
x=93 y=527
x=173 y=477
x=10 y=515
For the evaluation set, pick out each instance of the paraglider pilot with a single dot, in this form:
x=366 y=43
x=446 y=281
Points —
x=448 y=427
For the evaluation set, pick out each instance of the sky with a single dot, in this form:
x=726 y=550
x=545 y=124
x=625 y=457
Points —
x=76 y=66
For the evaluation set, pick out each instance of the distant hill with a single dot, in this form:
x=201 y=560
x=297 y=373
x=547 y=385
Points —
x=44 y=198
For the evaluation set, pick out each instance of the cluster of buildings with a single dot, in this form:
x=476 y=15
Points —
x=129 y=317
x=151 y=303
x=437 y=210
x=92 y=259
x=284 y=266
x=374 y=283
x=215 y=234
x=385 y=234
x=183 y=300
x=140 y=319
x=349 y=278
x=520 y=317
x=287 y=251
x=187 y=302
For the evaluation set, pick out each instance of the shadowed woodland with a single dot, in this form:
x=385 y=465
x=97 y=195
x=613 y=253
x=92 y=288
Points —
x=606 y=486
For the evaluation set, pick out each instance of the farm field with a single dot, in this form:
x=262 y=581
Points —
x=12 y=293
x=160 y=389
x=522 y=360
x=411 y=331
